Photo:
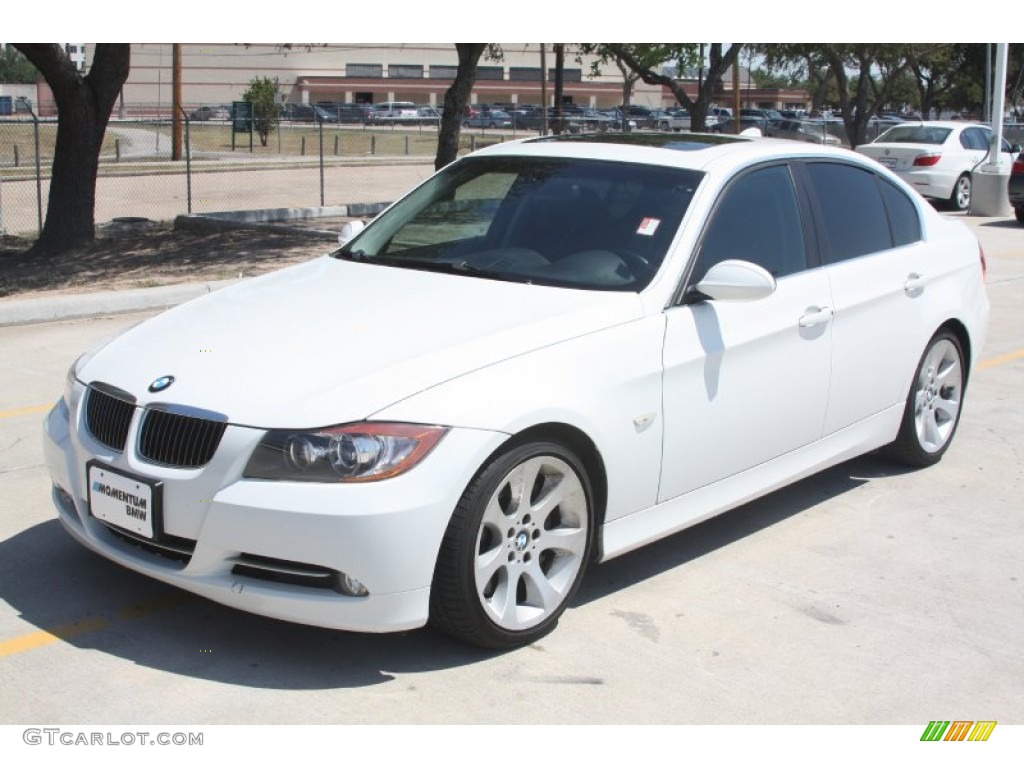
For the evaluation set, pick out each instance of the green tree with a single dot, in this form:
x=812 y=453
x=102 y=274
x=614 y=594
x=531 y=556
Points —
x=15 y=68
x=266 y=110
x=84 y=104
x=602 y=55
x=866 y=75
x=646 y=59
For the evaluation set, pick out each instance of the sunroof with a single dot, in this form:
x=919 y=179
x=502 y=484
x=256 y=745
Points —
x=684 y=142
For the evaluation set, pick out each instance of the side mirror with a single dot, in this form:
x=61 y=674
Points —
x=349 y=230
x=735 y=280
x=1014 y=149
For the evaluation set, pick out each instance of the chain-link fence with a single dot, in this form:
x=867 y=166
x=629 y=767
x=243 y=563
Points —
x=302 y=165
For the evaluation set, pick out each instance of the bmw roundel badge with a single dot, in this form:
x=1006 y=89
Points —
x=161 y=384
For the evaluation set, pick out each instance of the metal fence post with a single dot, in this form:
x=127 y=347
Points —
x=117 y=150
x=188 y=159
x=373 y=144
x=17 y=159
x=39 y=174
x=407 y=144
x=320 y=125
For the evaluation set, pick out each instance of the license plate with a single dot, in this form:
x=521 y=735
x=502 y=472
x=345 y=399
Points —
x=888 y=162
x=128 y=502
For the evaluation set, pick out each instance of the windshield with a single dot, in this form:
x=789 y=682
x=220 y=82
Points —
x=550 y=221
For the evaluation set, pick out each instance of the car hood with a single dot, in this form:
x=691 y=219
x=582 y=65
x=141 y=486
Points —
x=330 y=341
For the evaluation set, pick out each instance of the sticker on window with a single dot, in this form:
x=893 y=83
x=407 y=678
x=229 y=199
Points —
x=648 y=226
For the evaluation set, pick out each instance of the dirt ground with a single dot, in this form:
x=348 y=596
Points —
x=161 y=255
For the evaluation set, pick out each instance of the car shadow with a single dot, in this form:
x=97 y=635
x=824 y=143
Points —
x=1010 y=223
x=58 y=586
x=751 y=518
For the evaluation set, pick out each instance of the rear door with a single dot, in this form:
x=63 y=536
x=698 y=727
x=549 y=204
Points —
x=870 y=240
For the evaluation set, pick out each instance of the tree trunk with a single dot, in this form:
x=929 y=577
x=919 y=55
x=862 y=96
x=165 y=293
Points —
x=559 y=126
x=455 y=100
x=84 y=105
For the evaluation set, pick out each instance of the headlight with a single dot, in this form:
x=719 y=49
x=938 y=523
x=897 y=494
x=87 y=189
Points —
x=70 y=378
x=350 y=453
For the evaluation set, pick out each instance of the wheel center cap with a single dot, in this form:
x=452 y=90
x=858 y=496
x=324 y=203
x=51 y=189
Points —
x=522 y=539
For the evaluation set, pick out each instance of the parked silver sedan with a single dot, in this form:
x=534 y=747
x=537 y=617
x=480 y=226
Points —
x=800 y=130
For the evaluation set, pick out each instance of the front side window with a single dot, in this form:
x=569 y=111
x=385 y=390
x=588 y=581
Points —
x=757 y=220
x=551 y=221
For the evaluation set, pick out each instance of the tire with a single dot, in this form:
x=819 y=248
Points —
x=934 y=403
x=1019 y=213
x=960 y=199
x=509 y=565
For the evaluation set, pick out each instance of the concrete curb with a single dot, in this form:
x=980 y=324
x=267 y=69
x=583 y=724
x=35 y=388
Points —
x=271 y=218
x=77 y=306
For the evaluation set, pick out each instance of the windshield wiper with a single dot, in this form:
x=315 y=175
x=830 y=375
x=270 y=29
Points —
x=451 y=268
x=357 y=255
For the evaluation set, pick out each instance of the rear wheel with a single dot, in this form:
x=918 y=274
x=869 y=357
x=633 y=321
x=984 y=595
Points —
x=932 y=412
x=960 y=200
x=1019 y=213
x=516 y=548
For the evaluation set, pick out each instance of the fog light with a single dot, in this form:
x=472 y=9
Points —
x=353 y=587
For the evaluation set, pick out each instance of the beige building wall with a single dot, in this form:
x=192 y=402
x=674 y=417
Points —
x=218 y=73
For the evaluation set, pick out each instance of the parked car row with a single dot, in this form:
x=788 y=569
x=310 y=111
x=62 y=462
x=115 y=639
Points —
x=1016 y=187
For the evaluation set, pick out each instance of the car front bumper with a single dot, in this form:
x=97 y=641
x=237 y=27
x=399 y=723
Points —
x=278 y=549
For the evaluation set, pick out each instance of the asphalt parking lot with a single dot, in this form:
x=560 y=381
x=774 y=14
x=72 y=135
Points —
x=865 y=595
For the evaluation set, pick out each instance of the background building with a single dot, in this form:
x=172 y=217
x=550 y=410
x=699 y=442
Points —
x=362 y=73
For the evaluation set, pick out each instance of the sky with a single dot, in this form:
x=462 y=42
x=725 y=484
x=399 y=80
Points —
x=408 y=21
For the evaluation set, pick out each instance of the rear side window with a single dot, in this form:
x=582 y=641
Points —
x=904 y=220
x=855 y=219
x=974 y=138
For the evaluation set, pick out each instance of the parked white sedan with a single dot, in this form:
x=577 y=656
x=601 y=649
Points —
x=551 y=352
x=938 y=159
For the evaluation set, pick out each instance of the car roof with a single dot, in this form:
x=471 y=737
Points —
x=696 y=151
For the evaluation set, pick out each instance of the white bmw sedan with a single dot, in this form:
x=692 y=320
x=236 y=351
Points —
x=548 y=354
x=938 y=159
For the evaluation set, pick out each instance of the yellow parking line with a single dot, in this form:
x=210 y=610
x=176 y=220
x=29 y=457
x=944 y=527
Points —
x=44 y=637
x=26 y=411
x=994 y=361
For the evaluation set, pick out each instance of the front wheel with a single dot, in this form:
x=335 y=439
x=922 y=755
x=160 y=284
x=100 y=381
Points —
x=960 y=199
x=516 y=548
x=933 y=406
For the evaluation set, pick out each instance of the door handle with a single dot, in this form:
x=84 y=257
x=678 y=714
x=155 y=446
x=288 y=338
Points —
x=914 y=284
x=815 y=316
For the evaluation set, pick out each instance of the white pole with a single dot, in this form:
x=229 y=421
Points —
x=989 y=181
x=998 y=103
